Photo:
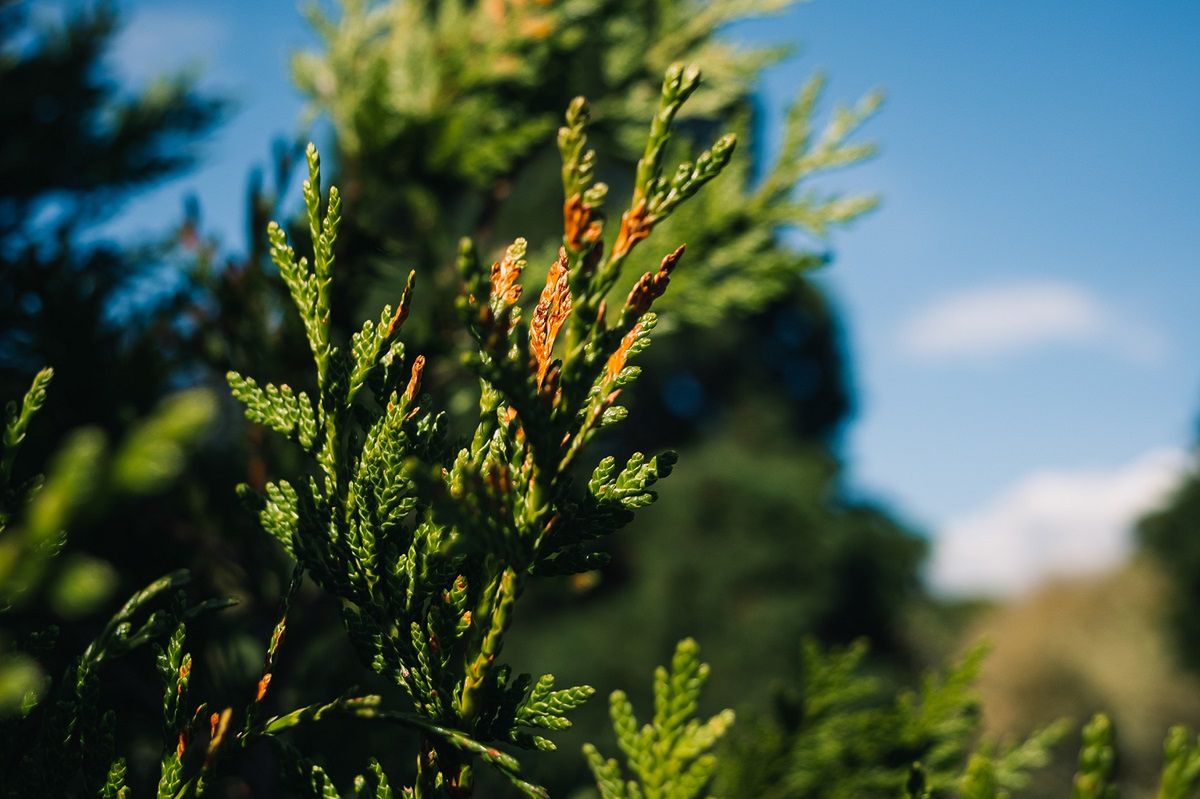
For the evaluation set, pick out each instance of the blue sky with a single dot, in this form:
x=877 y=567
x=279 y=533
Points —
x=1021 y=312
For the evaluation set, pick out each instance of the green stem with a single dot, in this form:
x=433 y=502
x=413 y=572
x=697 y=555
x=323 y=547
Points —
x=498 y=610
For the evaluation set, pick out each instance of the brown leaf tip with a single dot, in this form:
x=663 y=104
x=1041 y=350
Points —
x=414 y=380
x=581 y=225
x=404 y=305
x=550 y=313
x=616 y=361
x=651 y=286
x=262 y=687
x=636 y=225
x=506 y=274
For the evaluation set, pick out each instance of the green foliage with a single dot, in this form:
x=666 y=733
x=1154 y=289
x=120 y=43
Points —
x=68 y=748
x=81 y=136
x=671 y=755
x=1168 y=533
x=1181 y=765
x=114 y=783
x=440 y=107
x=57 y=738
x=16 y=426
x=742 y=227
x=78 y=144
x=85 y=477
x=427 y=535
x=441 y=119
x=436 y=109
x=1097 y=759
x=428 y=542
x=845 y=735
x=1095 y=778
x=174 y=669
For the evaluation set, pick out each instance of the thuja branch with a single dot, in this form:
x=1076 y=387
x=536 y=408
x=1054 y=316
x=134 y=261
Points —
x=368 y=707
x=428 y=539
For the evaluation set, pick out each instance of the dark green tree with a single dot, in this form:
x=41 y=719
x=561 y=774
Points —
x=77 y=145
x=1169 y=534
x=106 y=314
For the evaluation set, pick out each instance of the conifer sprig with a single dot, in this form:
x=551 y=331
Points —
x=85 y=476
x=1181 y=765
x=1097 y=759
x=670 y=756
x=429 y=542
x=61 y=740
x=16 y=424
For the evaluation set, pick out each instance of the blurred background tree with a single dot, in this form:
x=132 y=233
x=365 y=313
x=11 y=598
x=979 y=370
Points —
x=76 y=146
x=117 y=325
x=1171 y=536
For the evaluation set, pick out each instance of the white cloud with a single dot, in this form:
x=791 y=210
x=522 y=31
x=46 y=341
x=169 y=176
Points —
x=157 y=40
x=1003 y=320
x=1052 y=523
